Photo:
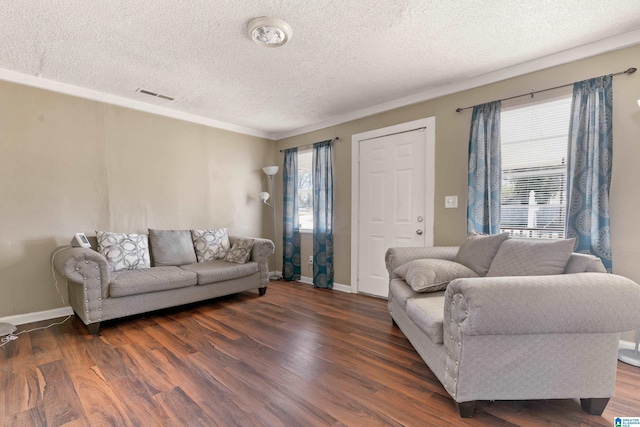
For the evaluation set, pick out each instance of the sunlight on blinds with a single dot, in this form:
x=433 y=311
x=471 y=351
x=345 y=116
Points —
x=534 y=168
x=305 y=190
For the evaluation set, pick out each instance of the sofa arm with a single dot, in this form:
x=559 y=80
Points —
x=395 y=257
x=262 y=250
x=560 y=304
x=88 y=274
x=73 y=262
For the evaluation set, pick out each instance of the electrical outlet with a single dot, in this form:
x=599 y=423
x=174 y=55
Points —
x=310 y=259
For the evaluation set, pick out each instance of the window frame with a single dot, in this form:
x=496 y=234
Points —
x=305 y=152
x=533 y=174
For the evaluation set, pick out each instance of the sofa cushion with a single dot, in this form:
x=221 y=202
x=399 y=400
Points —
x=401 y=292
x=583 y=263
x=210 y=244
x=148 y=280
x=477 y=251
x=124 y=251
x=240 y=252
x=171 y=247
x=538 y=257
x=427 y=313
x=431 y=275
x=218 y=270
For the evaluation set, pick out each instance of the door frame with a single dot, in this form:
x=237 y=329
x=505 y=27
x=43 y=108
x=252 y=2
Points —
x=429 y=124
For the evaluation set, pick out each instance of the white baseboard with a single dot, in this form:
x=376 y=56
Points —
x=21 y=319
x=342 y=288
x=336 y=286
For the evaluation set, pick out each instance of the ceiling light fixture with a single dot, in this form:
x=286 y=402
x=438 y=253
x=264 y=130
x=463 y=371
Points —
x=270 y=32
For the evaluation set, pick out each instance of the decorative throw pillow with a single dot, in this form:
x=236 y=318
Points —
x=240 y=252
x=171 y=247
x=531 y=257
x=478 y=250
x=581 y=263
x=431 y=275
x=210 y=244
x=124 y=251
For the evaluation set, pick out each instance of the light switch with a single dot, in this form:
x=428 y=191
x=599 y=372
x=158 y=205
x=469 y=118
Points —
x=451 y=202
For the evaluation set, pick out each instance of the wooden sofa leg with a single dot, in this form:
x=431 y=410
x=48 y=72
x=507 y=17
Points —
x=594 y=406
x=262 y=290
x=94 y=328
x=466 y=409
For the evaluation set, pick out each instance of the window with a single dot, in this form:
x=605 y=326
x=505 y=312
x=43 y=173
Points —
x=305 y=190
x=534 y=168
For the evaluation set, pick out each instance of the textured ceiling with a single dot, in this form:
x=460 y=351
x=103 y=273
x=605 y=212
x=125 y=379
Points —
x=344 y=56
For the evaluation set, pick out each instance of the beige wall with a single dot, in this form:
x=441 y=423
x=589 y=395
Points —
x=452 y=133
x=69 y=165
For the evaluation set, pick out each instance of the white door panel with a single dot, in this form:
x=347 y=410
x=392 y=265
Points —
x=392 y=190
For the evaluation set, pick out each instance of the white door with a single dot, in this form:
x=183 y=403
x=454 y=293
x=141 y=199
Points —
x=395 y=207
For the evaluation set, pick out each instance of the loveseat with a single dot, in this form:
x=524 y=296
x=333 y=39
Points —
x=513 y=337
x=175 y=276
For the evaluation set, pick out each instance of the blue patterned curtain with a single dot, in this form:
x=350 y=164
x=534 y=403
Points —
x=485 y=170
x=322 y=215
x=291 y=237
x=589 y=167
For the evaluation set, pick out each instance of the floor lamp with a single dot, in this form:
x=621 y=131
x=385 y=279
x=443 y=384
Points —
x=270 y=171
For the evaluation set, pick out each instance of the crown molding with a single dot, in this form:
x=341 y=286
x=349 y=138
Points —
x=94 y=95
x=581 y=52
x=570 y=55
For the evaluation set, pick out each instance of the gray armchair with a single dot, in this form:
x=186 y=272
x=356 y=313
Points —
x=518 y=337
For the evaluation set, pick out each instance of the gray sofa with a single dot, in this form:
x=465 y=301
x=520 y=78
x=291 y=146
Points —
x=97 y=294
x=518 y=338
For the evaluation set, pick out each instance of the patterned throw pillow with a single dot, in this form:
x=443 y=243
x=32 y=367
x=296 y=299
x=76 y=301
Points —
x=432 y=275
x=124 y=251
x=210 y=244
x=240 y=251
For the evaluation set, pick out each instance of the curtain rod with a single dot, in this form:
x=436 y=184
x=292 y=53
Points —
x=627 y=71
x=337 y=138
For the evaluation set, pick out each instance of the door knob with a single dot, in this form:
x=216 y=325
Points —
x=419 y=232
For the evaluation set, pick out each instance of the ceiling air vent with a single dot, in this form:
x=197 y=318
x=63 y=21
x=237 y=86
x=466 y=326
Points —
x=157 y=95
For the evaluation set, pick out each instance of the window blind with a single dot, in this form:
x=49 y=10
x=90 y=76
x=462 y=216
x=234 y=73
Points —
x=534 y=142
x=305 y=189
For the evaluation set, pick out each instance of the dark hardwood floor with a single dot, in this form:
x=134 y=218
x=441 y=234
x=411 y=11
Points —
x=297 y=356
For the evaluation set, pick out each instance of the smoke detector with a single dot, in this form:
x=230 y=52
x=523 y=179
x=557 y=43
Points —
x=269 y=32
